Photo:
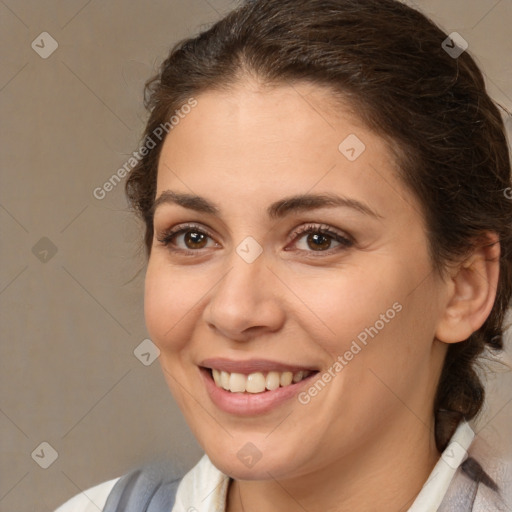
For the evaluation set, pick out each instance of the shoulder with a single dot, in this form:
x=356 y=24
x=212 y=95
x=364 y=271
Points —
x=481 y=484
x=466 y=494
x=90 y=500
x=498 y=494
x=167 y=482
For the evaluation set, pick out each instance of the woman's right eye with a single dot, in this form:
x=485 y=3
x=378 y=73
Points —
x=186 y=239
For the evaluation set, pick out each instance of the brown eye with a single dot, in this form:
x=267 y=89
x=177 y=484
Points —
x=314 y=238
x=319 y=241
x=195 y=240
x=186 y=238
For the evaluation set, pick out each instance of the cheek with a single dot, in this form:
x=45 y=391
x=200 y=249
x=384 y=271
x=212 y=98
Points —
x=345 y=304
x=170 y=302
x=381 y=316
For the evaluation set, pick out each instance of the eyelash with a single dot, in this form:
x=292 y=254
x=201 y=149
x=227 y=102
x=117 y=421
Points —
x=345 y=241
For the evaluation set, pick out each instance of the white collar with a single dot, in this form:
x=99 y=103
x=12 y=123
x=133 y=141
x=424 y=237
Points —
x=431 y=495
x=204 y=488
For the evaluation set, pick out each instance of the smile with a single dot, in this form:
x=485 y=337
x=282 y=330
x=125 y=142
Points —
x=253 y=387
x=256 y=382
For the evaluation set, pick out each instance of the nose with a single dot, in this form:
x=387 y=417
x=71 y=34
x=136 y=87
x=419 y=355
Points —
x=245 y=303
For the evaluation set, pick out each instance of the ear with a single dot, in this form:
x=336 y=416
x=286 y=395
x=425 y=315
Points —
x=471 y=289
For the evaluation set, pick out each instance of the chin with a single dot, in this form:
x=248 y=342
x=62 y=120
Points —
x=251 y=463
x=236 y=469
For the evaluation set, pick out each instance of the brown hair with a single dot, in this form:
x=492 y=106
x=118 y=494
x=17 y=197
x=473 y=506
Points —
x=387 y=60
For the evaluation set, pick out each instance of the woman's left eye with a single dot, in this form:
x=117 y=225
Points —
x=320 y=238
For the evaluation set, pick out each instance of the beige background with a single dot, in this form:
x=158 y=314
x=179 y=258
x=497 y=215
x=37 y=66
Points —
x=70 y=324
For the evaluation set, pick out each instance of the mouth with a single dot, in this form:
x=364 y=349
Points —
x=256 y=382
x=253 y=387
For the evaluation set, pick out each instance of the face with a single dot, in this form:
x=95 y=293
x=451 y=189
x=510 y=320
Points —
x=290 y=265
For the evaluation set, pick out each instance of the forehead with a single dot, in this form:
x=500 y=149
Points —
x=277 y=141
x=249 y=116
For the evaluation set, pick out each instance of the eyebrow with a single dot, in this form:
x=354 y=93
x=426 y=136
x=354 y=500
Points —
x=278 y=209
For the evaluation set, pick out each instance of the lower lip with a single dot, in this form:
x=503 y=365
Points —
x=250 y=404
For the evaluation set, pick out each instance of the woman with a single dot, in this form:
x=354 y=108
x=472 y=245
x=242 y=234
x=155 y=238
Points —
x=329 y=243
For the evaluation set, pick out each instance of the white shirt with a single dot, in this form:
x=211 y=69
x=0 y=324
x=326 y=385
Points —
x=204 y=488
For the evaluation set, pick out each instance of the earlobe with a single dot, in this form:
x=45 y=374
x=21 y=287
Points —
x=472 y=292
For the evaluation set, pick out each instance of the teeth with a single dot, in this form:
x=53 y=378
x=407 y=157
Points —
x=297 y=377
x=272 y=381
x=237 y=383
x=224 y=380
x=286 y=379
x=256 y=382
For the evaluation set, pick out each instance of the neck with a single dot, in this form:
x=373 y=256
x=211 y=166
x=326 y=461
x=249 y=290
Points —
x=386 y=476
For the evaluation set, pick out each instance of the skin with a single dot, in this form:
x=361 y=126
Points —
x=366 y=441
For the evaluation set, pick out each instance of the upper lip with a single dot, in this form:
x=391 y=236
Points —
x=251 y=366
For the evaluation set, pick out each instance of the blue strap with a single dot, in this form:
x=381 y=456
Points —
x=149 y=489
